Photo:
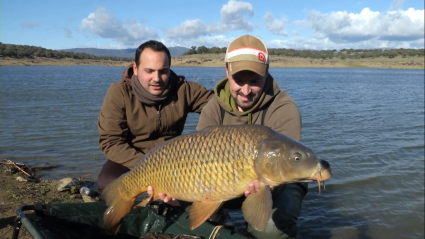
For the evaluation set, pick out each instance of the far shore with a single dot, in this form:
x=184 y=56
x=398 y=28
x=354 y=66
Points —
x=217 y=60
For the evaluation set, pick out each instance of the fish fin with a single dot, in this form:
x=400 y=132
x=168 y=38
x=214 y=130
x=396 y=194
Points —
x=257 y=207
x=201 y=211
x=144 y=202
x=119 y=206
x=147 y=200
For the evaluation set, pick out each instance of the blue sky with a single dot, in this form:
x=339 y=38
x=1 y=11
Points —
x=307 y=24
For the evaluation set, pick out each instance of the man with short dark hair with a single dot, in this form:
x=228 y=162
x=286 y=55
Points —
x=250 y=95
x=147 y=107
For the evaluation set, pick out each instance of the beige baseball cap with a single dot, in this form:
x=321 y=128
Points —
x=247 y=53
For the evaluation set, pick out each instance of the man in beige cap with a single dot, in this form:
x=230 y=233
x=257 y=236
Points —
x=250 y=95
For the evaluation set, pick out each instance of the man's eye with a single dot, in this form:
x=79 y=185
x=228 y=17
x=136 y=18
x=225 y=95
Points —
x=257 y=81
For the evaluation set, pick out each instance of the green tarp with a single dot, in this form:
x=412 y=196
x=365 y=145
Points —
x=85 y=220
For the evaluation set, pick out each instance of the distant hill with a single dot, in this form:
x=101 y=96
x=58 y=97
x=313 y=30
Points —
x=174 y=51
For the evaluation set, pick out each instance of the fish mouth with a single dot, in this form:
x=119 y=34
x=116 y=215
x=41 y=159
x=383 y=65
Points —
x=322 y=173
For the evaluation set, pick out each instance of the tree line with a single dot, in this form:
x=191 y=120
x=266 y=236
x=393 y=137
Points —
x=25 y=51
x=20 y=51
x=323 y=54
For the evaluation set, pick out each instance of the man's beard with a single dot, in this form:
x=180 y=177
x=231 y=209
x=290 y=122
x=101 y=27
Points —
x=246 y=105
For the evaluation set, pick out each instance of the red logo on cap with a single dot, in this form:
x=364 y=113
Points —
x=261 y=57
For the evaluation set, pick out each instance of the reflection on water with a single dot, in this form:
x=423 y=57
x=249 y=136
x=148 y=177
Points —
x=368 y=123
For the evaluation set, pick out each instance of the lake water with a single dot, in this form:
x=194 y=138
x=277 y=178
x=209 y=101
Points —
x=368 y=123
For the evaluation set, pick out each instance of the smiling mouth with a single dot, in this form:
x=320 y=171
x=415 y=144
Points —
x=244 y=98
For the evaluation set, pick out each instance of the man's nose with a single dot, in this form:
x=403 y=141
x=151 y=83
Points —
x=246 y=89
x=157 y=76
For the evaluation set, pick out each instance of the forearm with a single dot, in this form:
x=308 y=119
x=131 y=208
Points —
x=198 y=96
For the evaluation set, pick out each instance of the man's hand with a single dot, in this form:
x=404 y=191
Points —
x=165 y=198
x=254 y=187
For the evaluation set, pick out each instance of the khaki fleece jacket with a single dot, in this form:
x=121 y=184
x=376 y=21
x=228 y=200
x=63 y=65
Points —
x=282 y=114
x=128 y=129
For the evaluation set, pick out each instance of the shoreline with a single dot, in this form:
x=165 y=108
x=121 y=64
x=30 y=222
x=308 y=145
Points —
x=19 y=186
x=216 y=60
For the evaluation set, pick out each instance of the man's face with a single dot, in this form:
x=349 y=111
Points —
x=246 y=88
x=153 y=71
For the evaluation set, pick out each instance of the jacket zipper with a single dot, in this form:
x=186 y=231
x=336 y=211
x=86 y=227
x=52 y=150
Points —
x=158 y=114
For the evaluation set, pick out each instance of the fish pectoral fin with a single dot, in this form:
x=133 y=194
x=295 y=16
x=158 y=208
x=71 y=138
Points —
x=148 y=199
x=201 y=211
x=257 y=207
x=144 y=202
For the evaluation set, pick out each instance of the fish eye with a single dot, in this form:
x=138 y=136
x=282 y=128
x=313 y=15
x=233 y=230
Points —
x=297 y=156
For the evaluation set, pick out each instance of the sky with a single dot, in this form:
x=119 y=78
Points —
x=306 y=24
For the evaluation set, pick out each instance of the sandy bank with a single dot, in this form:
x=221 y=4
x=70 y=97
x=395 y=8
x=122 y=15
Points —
x=217 y=60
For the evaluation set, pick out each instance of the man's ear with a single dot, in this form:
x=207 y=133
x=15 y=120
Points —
x=134 y=68
x=227 y=70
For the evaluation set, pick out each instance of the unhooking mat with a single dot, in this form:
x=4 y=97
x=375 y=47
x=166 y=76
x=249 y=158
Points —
x=85 y=220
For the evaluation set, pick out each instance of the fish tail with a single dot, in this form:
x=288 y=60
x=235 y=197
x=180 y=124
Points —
x=119 y=206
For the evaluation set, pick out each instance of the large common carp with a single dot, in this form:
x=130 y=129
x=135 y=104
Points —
x=215 y=165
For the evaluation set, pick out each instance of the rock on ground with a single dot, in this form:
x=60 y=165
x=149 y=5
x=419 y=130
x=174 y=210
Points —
x=16 y=193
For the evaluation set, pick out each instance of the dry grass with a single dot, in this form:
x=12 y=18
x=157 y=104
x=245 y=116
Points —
x=42 y=61
x=217 y=60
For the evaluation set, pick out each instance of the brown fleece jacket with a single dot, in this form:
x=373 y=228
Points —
x=128 y=128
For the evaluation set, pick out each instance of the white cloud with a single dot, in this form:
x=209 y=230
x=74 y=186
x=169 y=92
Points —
x=208 y=41
x=301 y=43
x=335 y=30
x=274 y=25
x=105 y=25
x=233 y=15
x=342 y=27
x=188 y=29
x=327 y=44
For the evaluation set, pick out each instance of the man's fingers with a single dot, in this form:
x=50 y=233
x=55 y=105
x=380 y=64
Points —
x=150 y=191
x=167 y=199
x=257 y=185
x=161 y=196
x=251 y=187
